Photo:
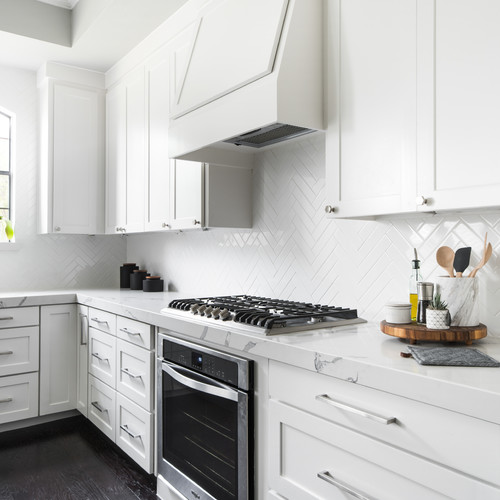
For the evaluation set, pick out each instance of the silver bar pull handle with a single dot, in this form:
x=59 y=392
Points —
x=132 y=375
x=102 y=360
x=6 y=353
x=6 y=318
x=130 y=332
x=5 y=400
x=324 y=398
x=326 y=476
x=102 y=321
x=125 y=428
x=83 y=328
x=98 y=407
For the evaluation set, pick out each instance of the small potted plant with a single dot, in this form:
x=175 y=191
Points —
x=437 y=315
x=6 y=229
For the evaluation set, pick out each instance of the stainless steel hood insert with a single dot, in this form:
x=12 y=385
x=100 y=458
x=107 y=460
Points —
x=268 y=135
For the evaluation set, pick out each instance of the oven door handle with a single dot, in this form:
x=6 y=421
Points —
x=213 y=387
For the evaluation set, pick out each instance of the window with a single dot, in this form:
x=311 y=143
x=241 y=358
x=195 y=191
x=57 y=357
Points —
x=6 y=125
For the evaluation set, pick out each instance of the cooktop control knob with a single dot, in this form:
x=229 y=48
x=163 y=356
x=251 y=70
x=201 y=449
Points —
x=225 y=314
x=208 y=311
x=194 y=308
x=201 y=309
x=216 y=313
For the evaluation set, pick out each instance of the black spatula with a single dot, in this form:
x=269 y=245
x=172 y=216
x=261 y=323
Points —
x=462 y=259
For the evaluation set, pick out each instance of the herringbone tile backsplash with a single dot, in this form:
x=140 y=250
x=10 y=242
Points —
x=294 y=252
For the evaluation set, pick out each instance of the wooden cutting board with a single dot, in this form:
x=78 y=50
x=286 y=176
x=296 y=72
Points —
x=414 y=333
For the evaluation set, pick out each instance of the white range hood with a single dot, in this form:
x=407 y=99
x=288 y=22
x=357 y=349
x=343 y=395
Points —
x=246 y=74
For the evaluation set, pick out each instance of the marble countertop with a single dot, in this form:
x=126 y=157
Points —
x=359 y=354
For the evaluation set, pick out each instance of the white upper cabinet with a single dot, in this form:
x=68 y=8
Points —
x=413 y=106
x=205 y=66
x=460 y=103
x=187 y=194
x=126 y=142
x=158 y=169
x=371 y=136
x=72 y=151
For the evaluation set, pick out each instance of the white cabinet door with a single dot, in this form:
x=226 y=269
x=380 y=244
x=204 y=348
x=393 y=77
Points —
x=158 y=179
x=72 y=158
x=58 y=358
x=222 y=50
x=187 y=181
x=371 y=137
x=459 y=126
x=136 y=150
x=82 y=334
x=126 y=155
x=116 y=162
x=78 y=199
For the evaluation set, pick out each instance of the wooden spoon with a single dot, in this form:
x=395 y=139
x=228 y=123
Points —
x=485 y=258
x=445 y=257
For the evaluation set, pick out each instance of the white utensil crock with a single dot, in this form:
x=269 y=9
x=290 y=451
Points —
x=461 y=295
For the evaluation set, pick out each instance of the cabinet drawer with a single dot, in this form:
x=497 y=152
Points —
x=18 y=397
x=136 y=332
x=102 y=406
x=19 y=316
x=102 y=320
x=303 y=446
x=19 y=350
x=456 y=440
x=102 y=356
x=134 y=373
x=134 y=432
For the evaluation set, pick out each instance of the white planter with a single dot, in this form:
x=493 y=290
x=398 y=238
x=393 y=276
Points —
x=437 y=319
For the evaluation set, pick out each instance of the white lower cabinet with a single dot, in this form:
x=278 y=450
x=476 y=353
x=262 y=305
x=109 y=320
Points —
x=134 y=431
x=82 y=339
x=19 y=350
x=102 y=403
x=330 y=439
x=57 y=358
x=121 y=382
x=18 y=397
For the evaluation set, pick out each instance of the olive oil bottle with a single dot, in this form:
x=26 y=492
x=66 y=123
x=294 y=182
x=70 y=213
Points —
x=415 y=278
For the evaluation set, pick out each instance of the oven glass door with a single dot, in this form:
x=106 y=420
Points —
x=202 y=423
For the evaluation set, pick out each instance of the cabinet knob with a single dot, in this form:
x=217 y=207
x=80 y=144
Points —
x=196 y=222
x=164 y=224
x=57 y=228
x=120 y=229
x=421 y=201
x=329 y=209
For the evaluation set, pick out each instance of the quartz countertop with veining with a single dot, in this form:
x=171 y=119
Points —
x=359 y=354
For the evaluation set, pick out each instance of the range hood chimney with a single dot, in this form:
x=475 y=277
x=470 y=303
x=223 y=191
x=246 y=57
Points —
x=246 y=75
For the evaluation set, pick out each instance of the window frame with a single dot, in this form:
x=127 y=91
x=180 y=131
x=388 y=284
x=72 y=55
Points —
x=11 y=172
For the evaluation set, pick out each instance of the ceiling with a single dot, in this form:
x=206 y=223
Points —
x=91 y=34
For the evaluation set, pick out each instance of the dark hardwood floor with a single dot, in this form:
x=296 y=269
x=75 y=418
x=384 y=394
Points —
x=68 y=459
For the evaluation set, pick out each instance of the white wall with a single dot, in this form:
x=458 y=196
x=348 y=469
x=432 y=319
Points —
x=294 y=252
x=46 y=261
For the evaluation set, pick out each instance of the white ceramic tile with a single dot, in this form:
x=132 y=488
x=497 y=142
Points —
x=294 y=252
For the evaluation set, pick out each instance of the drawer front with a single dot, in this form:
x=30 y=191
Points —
x=136 y=332
x=102 y=320
x=134 y=432
x=19 y=350
x=102 y=356
x=312 y=458
x=423 y=429
x=18 y=397
x=134 y=373
x=19 y=316
x=102 y=406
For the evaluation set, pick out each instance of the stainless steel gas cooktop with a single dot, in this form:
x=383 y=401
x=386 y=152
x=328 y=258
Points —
x=263 y=315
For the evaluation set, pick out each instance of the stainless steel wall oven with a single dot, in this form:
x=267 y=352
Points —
x=205 y=421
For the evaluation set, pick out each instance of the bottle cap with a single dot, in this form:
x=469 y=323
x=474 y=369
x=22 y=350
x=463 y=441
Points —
x=425 y=290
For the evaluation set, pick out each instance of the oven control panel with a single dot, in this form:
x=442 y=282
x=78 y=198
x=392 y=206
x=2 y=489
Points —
x=215 y=367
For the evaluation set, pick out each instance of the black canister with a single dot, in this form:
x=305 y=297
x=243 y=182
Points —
x=152 y=284
x=125 y=272
x=136 y=279
x=425 y=294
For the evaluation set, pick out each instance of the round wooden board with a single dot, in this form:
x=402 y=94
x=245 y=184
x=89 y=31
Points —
x=414 y=332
